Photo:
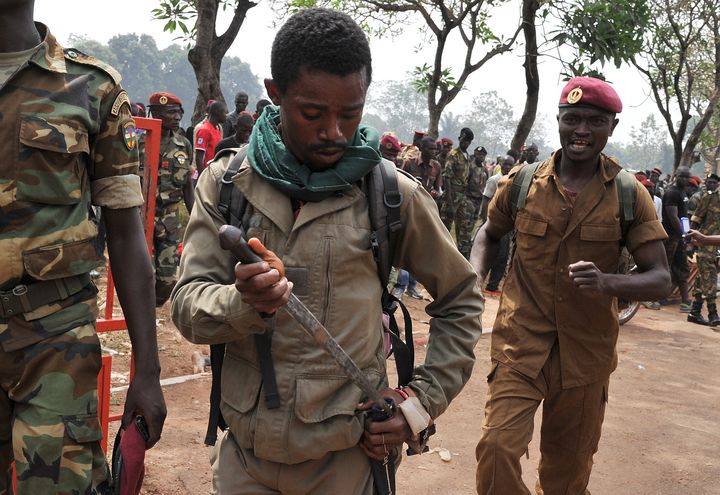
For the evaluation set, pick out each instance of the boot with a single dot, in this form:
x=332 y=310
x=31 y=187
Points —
x=695 y=315
x=713 y=318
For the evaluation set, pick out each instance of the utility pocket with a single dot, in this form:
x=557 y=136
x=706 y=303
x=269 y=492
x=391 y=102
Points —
x=321 y=397
x=531 y=246
x=81 y=453
x=51 y=160
x=64 y=259
x=241 y=382
x=599 y=243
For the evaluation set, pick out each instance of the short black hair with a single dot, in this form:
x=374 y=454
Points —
x=319 y=39
x=467 y=132
x=426 y=141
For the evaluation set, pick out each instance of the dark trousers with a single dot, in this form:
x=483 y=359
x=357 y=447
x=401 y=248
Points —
x=497 y=270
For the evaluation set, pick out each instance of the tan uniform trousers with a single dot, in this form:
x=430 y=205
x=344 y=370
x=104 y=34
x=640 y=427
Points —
x=236 y=471
x=571 y=424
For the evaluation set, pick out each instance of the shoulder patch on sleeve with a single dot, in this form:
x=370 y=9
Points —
x=75 y=55
x=120 y=100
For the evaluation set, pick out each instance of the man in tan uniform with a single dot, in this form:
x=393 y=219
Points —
x=555 y=333
x=306 y=197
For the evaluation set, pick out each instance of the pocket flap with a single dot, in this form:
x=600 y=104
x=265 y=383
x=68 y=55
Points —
x=321 y=397
x=53 y=134
x=531 y=226
x=240 y=383
x=600 y=232
x=83 y=429
x=61 y=260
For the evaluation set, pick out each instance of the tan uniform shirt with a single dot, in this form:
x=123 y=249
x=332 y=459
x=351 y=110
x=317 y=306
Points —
x=540 y=304
x=328 y=255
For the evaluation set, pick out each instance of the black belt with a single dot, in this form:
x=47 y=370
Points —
x=25 y=298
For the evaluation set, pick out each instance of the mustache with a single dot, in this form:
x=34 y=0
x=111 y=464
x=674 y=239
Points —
x=329 y=145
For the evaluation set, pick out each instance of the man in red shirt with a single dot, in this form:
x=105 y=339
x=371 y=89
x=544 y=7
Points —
x=209 y=134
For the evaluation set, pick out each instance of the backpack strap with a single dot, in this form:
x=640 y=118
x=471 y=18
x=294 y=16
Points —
x=520 y=187
x=384 y=201
x=232 y=202
x=627 y=196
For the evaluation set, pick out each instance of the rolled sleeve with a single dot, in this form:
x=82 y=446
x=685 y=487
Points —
x=115 y=193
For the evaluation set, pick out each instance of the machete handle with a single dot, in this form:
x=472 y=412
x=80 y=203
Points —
x=377 y=413
x=233 y=240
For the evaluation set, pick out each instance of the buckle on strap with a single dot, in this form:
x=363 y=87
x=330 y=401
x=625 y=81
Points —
x=20 y=290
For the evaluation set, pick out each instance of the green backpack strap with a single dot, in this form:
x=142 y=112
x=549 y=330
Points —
x=520 y=187
x=627 y=195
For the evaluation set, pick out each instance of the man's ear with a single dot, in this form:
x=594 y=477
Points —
x=614 y=125
x=272 y=90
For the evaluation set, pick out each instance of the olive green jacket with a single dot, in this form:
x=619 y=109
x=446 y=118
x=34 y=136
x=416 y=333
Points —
x=326 y=251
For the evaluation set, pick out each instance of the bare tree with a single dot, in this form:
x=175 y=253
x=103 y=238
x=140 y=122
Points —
x=681 y=61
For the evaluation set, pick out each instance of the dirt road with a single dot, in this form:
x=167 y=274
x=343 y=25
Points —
x=661 y=434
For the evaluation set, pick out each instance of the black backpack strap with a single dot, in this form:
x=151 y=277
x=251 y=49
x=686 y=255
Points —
x=232 y=205
x=384 y=200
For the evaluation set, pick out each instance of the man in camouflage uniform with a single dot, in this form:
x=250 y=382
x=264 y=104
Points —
x=173 y=185
x=477 y=178
x=455 y=208
x=67 y=141
x=706 y=219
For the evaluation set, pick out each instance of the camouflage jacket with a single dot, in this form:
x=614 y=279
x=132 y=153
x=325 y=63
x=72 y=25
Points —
x=174 y=169
x=430 y=175
x=69 y=141
x=456 y=170
x=477 y=178
x=707 y=213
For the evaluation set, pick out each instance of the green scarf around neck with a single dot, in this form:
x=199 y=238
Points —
x=273 y=161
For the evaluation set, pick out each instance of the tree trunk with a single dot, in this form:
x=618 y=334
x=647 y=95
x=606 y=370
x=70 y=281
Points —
x=435 y=112
x=207 y=54
x=532 y=78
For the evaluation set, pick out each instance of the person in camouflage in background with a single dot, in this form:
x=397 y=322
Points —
x=68 y=142
x=477 y=178
x=706 y=219
x=173 y=185
x=454 y=208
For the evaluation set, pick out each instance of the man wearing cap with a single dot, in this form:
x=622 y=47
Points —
x=426 y=168
x=68 y=143
x=655 y=178
x=477 y=179
x=556 y=329
x=454 y=209
x=674 y=208
x=411 y=150
x=706 y=219
x=173 y=185
x=390 y=147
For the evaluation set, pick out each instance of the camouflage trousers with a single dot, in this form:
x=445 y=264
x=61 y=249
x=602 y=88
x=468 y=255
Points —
x=460 y=215
x=705 y=286
x=473 y=211
x=166 y=239
x=48 y=416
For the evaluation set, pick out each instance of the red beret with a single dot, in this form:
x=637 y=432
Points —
x=657 y=171
x=696 y=180
x=447 y=141
x=590 y=91
x=390 y=142
x=647 y=183
x=640 y=176
x=162 y=98
x=419 y=134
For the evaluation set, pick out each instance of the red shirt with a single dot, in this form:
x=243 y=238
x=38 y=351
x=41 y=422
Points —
x=207 y=137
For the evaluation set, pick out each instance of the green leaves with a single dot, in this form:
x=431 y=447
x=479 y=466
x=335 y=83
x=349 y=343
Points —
x=177 y=13
x=423 y=75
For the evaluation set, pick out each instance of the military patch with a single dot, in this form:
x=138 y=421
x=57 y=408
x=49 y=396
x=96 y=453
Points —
x=574 y=96
x=121 y=98
x=130 y=135
x=180 y=157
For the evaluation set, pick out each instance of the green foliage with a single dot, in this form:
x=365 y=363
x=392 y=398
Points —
x=599 y=31
x=180 y=15
x=146 y=69
x=423 y=76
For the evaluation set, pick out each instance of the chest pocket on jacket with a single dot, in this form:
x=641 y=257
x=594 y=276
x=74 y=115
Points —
x=530 y=240
x=52 y=154
x=599 y=243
